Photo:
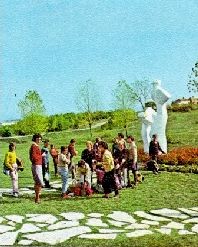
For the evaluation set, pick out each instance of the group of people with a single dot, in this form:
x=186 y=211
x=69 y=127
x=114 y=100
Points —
x=112 y=168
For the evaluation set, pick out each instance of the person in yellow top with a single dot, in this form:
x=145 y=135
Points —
x=10 y=163
x=109 y=182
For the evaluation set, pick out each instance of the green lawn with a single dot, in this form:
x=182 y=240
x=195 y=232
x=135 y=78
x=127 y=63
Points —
x=166 y=190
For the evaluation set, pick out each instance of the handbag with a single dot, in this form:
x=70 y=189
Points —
x=19 y=164
x=6 y=170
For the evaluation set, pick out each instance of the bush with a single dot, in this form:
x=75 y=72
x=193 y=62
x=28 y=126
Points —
x=6 y=133
x=194 y=107
x=172 y=140
x=180 y=156
x=142 y=156
x=109 y=125
x=20 y=133
x=181 y=108
x=75 y=125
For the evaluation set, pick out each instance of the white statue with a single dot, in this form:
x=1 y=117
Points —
x=147 y=119
x=160 y=96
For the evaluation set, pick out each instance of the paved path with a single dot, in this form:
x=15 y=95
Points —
x=51 y=229
x=95 y=126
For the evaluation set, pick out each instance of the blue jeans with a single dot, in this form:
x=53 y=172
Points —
x=64 y=176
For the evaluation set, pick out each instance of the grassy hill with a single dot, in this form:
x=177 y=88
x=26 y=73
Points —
x=182 y=130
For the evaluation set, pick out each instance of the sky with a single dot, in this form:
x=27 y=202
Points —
x=52 y=46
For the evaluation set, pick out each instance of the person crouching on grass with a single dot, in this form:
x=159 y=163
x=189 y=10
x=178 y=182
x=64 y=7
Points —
x=12 y=168
x=36 y=159
x=109 y=182
x=63 y=163
x=84 y=172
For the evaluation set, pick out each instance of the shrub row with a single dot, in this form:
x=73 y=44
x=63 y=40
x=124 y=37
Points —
x=178 y=156
x=182 y=108
x=182 y=169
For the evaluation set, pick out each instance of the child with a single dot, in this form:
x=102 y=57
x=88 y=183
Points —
x=45 y=163
x=54 y=154
x=63 y=162
x=100 y=175
x=96 y=149
x=84 y=173
x=12 y=168
x=73 y=152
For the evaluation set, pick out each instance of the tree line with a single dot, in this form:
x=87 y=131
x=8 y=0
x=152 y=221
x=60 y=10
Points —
x=126 y=97
x=88 y=101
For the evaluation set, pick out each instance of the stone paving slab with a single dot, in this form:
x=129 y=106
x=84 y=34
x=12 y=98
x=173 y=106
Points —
x=170 y=213
x=99 y=236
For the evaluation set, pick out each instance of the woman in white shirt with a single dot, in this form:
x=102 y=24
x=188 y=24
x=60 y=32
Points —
x=63 y=162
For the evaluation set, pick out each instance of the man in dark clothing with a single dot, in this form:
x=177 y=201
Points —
x=72 y=151
x=120 y=157
x=154 y=148
x=154 y=151
x=88 y=154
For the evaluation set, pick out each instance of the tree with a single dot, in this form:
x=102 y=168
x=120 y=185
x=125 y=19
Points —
x=32 y=103
x=124 y=118
x=139 y=91
x=123 y=102
x=193 y=79
x=32 y=124
x=52 y=123
x=33 y=113
x=87 y=101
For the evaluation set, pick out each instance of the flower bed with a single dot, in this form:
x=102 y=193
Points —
x=177 y=156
